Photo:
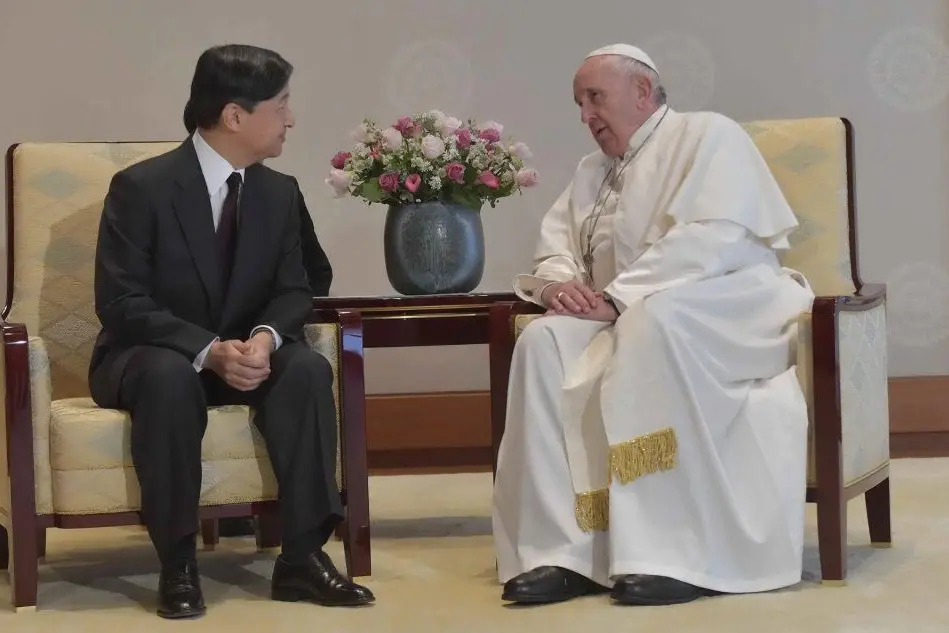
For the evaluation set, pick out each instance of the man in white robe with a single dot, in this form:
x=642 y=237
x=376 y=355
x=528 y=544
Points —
x=656 y=435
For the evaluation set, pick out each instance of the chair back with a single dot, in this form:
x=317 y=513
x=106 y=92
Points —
x=55 y=193
x=812 y=161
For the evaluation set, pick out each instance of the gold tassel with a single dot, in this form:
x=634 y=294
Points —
x=592 y=510
x=644 y=455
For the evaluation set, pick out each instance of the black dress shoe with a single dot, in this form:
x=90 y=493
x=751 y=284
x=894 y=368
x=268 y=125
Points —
x=316 y=581
x=179 y=591
x=640 y=589
x=235 y=526
x=549 y=584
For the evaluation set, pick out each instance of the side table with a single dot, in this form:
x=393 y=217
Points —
x=409 y=321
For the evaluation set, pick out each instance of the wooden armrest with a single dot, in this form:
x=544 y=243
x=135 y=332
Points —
x=352 y=399
x=18 y=410
x=825 y=355
x=869 y=296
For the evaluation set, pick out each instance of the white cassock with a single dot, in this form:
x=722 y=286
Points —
x=674 y=441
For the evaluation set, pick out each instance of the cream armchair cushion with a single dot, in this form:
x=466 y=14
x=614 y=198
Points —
x=83 y=453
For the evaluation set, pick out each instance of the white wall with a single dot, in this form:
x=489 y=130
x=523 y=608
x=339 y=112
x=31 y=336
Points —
x=120 y=69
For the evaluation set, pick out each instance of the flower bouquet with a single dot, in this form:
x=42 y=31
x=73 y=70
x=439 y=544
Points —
x=435 y=174
x=431 y=157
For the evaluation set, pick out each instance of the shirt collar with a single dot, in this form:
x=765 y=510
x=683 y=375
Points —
x=639 y=137
x=215 y=167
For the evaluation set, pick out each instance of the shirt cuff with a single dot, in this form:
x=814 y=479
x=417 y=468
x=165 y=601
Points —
x=531 y=288
x=277 y=341
x=198 y=363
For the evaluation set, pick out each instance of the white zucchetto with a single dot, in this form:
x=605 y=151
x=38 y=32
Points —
x=625 y=50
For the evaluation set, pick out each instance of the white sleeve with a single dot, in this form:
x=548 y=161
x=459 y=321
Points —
x=554 y=255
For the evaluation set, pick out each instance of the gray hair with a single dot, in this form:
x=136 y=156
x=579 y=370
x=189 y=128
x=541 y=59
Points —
x=635 y=68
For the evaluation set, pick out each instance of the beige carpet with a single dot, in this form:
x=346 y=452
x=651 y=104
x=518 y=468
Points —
x=434 y=570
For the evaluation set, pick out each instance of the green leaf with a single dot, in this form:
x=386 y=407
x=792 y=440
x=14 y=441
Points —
x=371 y=191
x=467 y=198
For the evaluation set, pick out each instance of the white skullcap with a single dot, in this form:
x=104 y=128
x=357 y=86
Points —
x=625 y=50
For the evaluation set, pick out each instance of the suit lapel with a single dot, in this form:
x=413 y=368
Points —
x=251 y=228
x=193 y=208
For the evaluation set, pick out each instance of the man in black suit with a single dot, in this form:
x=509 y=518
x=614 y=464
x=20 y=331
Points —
x=202 y=293
x=319 y=273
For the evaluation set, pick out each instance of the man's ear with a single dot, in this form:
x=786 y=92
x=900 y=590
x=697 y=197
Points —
x=231 y=116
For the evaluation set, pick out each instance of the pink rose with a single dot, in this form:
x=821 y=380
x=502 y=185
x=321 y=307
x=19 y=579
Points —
x=491 y=135
x=339 y=160
x=405 y=125
x=526 y=177
x=412 y=182
x=488 y=179
x=493 y=125
x=389 y=181
x=408 y=127
x=464 y=137
x=455 y=172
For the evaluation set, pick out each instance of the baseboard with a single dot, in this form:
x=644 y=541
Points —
x=451 y=431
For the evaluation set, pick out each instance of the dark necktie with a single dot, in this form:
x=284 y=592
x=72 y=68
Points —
x=227 y=228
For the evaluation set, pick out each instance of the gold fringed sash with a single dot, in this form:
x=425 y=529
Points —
x=643 y=455
x=593 y=510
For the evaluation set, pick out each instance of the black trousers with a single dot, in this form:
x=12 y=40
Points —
x=168 y=400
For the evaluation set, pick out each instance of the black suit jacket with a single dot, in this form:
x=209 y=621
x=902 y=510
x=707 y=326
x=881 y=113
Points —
x=156 y=268
x=317 y=264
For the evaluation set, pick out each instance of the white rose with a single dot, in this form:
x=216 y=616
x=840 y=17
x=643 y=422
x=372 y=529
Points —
x=438 y=116
x=361 y=134
x=391 y=138
x=526 y=177
x=449 y=125
x=493 y=125
x=432 y=146
x=521 y=150
x=340 y=180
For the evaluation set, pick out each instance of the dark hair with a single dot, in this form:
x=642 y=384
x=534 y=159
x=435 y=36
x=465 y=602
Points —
x=233 y=73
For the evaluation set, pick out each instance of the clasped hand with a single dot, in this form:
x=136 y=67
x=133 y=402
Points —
x=242 y=364
x=574 y=299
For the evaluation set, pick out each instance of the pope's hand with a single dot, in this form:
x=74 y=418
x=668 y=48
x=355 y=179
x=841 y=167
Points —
x=602 y=312
x=570 y=297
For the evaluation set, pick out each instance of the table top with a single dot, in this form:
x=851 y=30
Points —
x=370 y=303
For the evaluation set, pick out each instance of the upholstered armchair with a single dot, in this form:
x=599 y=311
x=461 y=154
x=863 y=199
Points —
x=67 y=462
x=841 y=351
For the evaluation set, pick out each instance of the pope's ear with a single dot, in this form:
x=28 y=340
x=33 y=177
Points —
x=643 y=87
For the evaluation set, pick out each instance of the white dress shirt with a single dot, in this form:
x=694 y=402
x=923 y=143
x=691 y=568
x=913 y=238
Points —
x=216 y=171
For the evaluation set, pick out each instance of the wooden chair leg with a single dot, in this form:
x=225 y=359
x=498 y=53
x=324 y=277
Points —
x=24 y=566
x=209 y=533
x=832 y=534
x=878 y=514
x=357 y=546
x=268 y=531
x=41 y=542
